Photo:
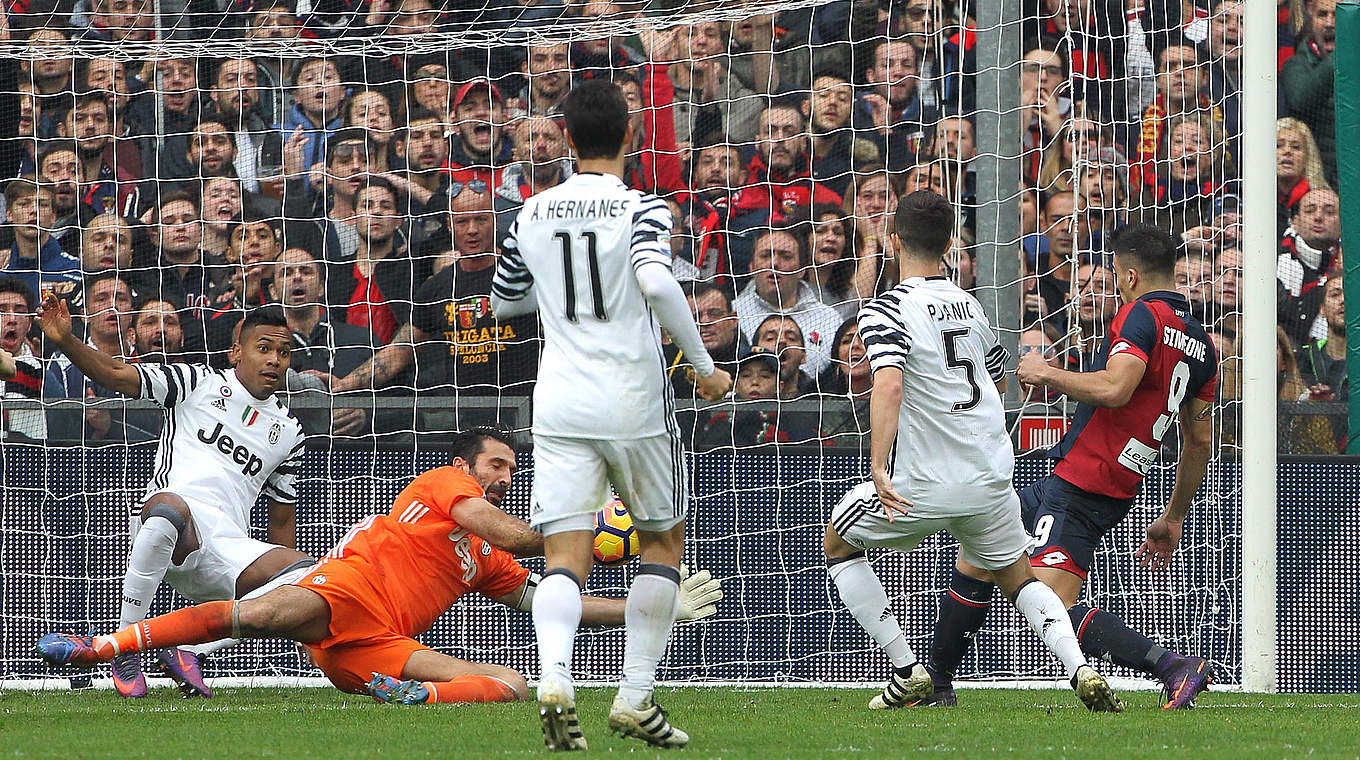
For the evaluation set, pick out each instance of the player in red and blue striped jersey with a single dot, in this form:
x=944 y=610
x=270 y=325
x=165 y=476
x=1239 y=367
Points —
x=1155 y=367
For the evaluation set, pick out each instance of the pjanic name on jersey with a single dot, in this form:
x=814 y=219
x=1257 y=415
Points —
x=574 y=209
x=956 y=311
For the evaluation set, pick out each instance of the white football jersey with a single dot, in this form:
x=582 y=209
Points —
x=220 y=445
x=952 y=453
x=602 y=373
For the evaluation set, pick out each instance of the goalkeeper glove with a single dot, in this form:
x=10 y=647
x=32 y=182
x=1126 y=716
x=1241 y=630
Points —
x=699 y=595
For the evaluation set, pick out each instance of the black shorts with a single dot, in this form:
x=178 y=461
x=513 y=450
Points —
x=1067 y=523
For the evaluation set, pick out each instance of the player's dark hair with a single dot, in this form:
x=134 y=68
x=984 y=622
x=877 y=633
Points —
x=262 y=316
x=468 y=444
x=16 y=285
x=924 y=222
x=597 y=119
x=1148 y=248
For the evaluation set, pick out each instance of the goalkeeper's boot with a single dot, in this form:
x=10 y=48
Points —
x=557 y=711
x=648 y=724
x=905 y=690
x=182 y=666
x=388 y=689
x=67 y=649
x=1186 y=678
x=1094 y=691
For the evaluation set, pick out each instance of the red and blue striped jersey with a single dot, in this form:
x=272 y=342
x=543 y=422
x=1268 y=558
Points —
x=1108 y=451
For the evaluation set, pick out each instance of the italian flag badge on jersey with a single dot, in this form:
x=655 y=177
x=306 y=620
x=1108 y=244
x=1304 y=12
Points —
x=249 y=416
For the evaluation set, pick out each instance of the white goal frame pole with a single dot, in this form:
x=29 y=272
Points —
x=1258 y=417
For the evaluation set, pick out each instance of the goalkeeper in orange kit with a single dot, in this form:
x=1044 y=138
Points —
x=388 y=580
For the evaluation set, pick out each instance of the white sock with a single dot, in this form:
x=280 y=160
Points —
x=863 y=594
x=648 y=617
x=1047 y=615
x=151 y=552
x=557 y=615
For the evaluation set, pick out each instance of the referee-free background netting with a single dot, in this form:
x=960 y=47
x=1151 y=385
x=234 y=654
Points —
x=358 y=164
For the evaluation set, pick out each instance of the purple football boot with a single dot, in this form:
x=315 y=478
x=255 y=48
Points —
x=1184 y=680
x=182 y=667
x=128 y=679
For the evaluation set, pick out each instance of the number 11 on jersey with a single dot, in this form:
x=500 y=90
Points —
x=569 y=274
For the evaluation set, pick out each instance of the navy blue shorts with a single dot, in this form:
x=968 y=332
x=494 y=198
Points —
x=1067 y=523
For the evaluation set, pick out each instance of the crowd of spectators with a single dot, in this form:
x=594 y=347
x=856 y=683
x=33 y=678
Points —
x=369 y=193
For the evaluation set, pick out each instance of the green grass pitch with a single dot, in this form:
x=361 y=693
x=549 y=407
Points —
x=725 y=724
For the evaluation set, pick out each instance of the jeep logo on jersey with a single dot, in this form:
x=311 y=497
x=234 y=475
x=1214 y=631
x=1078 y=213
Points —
x=250 y=464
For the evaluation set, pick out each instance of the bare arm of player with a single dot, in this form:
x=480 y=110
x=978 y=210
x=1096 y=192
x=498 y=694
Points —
x=1003 y=384
x=885 y=403
x=503 y=531
x=282 y=528
x=8 y=369
x=387 y=363
x=55 y=318
x=1109 y=388
x=1197 y=446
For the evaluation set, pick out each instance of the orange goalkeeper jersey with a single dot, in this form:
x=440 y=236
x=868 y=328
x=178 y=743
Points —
x=417 y=560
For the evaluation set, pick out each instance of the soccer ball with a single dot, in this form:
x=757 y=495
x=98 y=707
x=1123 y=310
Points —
x=616 y=539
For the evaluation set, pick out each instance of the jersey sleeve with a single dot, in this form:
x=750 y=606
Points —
x=169 y=384
x=885 y=335
x=500 y=573
x=513 y=279
x=1135 y=334
x=651 y=242
x=996 y=357
x=442 y=487
x=281 y=485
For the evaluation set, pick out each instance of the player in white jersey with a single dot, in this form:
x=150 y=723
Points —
x=594 y=258
x=939 y=418
x=225 y=439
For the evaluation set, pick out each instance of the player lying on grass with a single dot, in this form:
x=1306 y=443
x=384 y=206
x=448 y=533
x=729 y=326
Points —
x=387 y=581
x=225 y=438
x=1156 y=365
x=944 y=428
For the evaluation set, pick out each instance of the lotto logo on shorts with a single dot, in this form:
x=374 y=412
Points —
x=319 y=580
x=1053 y=558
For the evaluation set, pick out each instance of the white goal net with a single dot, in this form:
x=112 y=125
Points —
x=175 y=163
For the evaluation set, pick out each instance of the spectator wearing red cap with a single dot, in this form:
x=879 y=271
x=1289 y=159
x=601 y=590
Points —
x=482 y=150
